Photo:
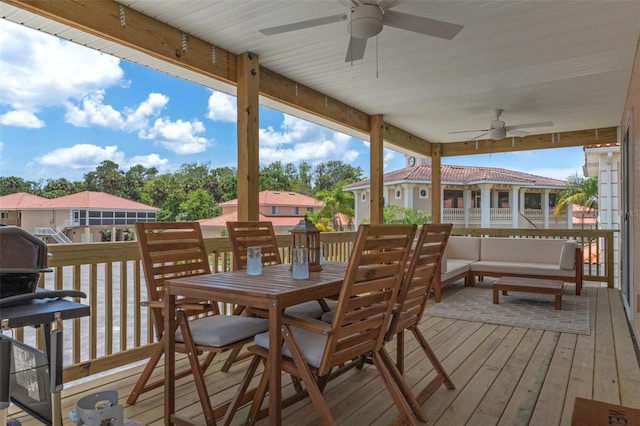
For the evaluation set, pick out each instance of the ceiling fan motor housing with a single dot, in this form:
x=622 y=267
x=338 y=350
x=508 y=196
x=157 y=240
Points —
x=366 y=21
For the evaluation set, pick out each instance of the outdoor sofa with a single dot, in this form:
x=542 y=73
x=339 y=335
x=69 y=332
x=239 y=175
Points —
x=471 y=257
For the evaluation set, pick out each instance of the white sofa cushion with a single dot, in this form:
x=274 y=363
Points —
x=520 y=268
x=467 y=248
x=521 y=250
x=455 y=267
x=568 y=255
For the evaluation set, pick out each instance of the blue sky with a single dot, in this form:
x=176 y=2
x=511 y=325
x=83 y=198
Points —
x=64 y=109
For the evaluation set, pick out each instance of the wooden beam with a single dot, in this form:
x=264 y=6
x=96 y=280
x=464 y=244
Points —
x=289 y=92
x=376 y=170
x=102 y=18
x=545 y=141
x=404 y=140
x=111 y=21
x=248 y=136
x=436 y=184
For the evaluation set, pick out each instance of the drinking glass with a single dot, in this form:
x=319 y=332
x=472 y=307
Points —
x=254 y=260
x=300 y=263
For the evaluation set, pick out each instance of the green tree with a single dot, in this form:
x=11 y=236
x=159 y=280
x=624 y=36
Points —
x=328 y=174
x=106 y=178
x=273 y=177
x=579 y=191
x=15 y=184
x=198 y=205
x=336 y=201
x=55 y=188
x=135 y=179
x=393 y=213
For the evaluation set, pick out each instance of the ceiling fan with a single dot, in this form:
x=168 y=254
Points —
x=365 y=19
x=497 y=130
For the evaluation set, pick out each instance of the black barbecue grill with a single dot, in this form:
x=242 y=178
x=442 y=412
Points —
x=35 y=376
x=23 y=258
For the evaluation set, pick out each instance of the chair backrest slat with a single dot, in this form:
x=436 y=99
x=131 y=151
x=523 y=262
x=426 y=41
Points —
x=168 y=250
x=424 y=265
x=253 y=233
x=372 y=280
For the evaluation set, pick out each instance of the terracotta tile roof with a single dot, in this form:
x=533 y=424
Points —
x=92 y=200
x=281 y=198
x=463 y=175
x=599 y=145
x=278 y=221
x=19 y=200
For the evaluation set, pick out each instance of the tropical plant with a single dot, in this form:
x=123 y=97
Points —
x=336 y=201
x=579 y=191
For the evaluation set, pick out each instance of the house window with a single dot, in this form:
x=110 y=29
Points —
x=398 y=194
x=4 y=215
x=424 y=193
x=295 y=211
x=452 y=199
x=552 y=200
x=503 y=199
x=363 y=197
x=275 y=210
x=532 y=200
x=309 y=209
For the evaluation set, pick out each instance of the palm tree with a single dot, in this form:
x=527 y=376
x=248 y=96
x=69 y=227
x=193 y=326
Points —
x=579 y=191
x=336 y=201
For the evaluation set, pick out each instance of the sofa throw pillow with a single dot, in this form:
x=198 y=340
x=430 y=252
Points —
x=568 y=255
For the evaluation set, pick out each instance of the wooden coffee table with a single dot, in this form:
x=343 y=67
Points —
x=529 y=285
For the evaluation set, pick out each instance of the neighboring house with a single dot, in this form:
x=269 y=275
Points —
x=77 y=217
x=603 y=161
x=283 y=208
x=11 y=207
x=515 y=199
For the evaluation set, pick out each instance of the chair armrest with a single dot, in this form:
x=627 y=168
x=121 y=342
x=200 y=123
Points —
x=315 y=326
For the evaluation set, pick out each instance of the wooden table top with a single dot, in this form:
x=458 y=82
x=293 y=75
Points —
x=529 y=282
x=276 y=281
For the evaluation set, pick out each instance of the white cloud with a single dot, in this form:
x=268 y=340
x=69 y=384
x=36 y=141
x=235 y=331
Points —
x=299 y=140
x=86 y=157
x=222 y=107
x=81 y=156
x=94 y=112
x=40 y=70
x=151 y=160
x=21 y=119
x=138 y=119
x=178 y=136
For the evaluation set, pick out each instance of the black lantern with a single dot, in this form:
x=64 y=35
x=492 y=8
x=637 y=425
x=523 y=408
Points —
x=306 y=235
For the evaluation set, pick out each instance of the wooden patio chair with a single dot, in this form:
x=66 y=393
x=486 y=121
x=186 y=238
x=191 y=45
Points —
x=176 y=249
x=313 y=348
x=260 y=233
x=423 y=270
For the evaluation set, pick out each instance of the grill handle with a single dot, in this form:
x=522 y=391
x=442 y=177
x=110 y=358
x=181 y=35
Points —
x=46 y=294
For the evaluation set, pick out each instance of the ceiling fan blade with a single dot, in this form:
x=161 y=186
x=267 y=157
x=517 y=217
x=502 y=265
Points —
x=356 y=49
x=513 y=132
x=387 y=4
x=422 y=25
x=304 y=24
x=528 y=125
x=470 y=131
x=480 y=136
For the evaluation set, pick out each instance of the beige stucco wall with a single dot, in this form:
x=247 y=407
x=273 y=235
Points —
x=632 y=109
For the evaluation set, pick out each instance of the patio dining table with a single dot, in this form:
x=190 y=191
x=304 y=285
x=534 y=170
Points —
x=273 y=291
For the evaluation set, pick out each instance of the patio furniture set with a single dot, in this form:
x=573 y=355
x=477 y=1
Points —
x=314 y=329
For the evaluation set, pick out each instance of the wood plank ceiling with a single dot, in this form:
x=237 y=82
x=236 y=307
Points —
x=565 y=61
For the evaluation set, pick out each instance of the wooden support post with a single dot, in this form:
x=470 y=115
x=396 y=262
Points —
x=248 y=139
x=436 y=183
x=376 y=138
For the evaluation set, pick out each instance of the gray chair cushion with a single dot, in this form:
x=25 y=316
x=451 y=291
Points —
x=311 y=344
x=306 y=310
x=222 y=330
x=328 y=316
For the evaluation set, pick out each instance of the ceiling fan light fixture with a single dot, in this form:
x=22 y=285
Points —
x=366 y=21
x=497 y=134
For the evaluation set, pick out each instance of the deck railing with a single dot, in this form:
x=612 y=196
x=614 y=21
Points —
x=118 y=332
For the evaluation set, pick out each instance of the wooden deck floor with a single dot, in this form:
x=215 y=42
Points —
x=503 y=375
